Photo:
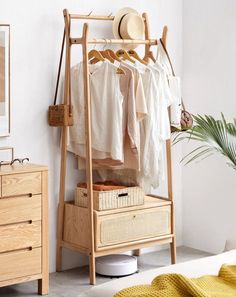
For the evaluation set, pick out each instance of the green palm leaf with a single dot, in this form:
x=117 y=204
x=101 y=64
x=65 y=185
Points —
x=216 y=136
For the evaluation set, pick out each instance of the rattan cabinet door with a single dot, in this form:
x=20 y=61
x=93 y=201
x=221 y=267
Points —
x=130 y=226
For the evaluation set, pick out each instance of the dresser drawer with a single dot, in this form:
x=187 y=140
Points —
x=20 y=236
x=20 y=264
x=134 y=225
x=20 y=209
x=21 y=184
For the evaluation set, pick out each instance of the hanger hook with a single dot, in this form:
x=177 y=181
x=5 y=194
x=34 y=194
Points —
x=109 y=15
x=90 y=13
x=104 y=44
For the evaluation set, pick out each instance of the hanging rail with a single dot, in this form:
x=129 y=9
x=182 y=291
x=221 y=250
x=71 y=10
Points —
x=115 y=41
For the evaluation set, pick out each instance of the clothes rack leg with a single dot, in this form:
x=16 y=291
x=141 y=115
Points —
x=92 y=270
x=59 y=238
x=173 y=243
x=60 y=220
x=64 y=134
x=88 y=142
x=137 y=252
x=173 y=250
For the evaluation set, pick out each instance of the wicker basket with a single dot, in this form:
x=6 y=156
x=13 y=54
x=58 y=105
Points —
x=102 y=200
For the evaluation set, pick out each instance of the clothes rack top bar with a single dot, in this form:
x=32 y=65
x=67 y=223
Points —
x=115 y=41
x=92 y=17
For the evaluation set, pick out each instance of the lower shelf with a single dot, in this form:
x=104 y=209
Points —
x=119 y=230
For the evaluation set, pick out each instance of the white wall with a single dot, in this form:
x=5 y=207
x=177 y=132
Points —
x=36 y=31
x=209 y=88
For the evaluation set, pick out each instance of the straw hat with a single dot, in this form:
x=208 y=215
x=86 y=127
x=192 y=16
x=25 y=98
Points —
x=128 y=24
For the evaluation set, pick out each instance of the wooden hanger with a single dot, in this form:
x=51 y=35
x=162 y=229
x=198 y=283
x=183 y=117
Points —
x=113 y=55
x=107 y=56
x=122 y=53
x=95 y=54
x=115 y=58
x=135 y=55
x=120 y=71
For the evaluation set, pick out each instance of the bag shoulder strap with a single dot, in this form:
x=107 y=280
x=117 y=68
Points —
x=168 y=57
x=59 y=68
x=171 y=65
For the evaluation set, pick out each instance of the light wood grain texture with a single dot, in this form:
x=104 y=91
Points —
x=114 y=41
x=88 y=144
x=43 y=283
x=80 y=225
x=75 y=247
x=19 y=280
x=169 y=173
x=173 y=243
x=164 y=35
x=144 y=243
x=20 y=263
x=76 y=222
x=91 y=16
x=148 y=53
x=64 y=134
x=21 y=184
x=20 y=209
x=19 y=236
x=76 y=225
x=19 y=168
x=24 y=225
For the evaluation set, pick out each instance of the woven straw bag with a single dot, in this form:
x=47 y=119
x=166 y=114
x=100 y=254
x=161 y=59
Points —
x=186 y=117
x=60 y=115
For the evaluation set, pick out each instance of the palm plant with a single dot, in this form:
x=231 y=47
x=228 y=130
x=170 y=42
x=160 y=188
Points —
x=216 y=136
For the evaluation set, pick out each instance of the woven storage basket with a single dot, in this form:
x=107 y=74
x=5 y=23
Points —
x=102 y=200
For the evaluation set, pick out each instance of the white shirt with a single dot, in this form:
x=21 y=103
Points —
x=149 y=133
x=106 y=111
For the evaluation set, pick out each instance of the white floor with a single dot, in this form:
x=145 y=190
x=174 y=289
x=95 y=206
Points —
x=72 y=282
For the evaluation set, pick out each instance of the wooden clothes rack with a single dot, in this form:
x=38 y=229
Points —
x=90 y=250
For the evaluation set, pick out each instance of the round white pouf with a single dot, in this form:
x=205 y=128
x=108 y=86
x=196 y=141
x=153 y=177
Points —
x=116 y=265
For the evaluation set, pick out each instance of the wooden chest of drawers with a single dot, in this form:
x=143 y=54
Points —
x=24 y=225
